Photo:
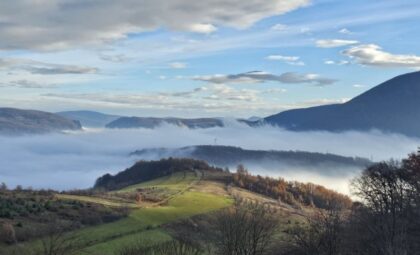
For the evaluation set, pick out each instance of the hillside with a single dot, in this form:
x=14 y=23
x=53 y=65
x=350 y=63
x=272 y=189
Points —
x=391 y=107
x=144 y=122
x=90 y=118
x=228 y=156
x=144 y=171
x=16 y=121
x=154 y=208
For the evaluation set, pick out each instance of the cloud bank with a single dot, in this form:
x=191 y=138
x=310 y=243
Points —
x=37 y=67
x=75 y=160
x=260 y=77
x=50 y=25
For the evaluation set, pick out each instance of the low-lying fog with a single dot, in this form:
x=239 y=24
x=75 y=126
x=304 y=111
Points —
x=75 y=160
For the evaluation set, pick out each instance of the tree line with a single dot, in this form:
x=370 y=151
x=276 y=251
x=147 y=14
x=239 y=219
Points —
x=290 y=192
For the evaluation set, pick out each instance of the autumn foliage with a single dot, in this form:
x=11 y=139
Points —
x=290 y=192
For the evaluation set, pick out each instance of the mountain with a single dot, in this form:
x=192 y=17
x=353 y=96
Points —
x=16 y=121
x=90 y=118
x=393 y=106
x=228 y=156
x=146 y=122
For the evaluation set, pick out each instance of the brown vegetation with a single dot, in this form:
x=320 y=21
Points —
x=290 y=192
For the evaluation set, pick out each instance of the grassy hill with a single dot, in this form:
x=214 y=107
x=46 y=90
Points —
x=154 y=207
x=178 y=200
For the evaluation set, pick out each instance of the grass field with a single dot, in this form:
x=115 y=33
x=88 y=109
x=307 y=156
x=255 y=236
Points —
x=144 y=238
x=97 y=200
x=177 y=181
x=183 y=206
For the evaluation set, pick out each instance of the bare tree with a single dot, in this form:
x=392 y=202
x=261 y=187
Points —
x=245 y=229
x=322 y=234
x=58 y=240
x=7 y=233
x=388 y=202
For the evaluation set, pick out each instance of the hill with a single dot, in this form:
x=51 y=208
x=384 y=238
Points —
x=392 y=106
x=228 y=156
x=146 y=122
x=154 y=203
x=16 y=121
x=90 y=118
x=144 y=171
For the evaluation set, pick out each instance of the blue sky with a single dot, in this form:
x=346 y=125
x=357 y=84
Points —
x=208 y=58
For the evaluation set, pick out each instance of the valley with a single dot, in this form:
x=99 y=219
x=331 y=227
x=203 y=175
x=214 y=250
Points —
x=184 y=127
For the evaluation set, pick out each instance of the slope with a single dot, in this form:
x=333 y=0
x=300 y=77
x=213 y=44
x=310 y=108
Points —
x=391 y=107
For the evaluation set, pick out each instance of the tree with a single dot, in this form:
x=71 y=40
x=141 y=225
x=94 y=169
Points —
x=58 y=241
x=411 y=175
x=8 y=233
x=322 y=234
x=3 y=187
x=387 y=211
x=245 y=229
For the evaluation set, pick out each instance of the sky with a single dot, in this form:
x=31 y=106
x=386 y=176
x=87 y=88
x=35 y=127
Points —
x=188 y=58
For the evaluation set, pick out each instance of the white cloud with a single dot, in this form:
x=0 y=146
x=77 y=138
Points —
x=61 y=69
x=373 y=55
x=283 y=58
x=37 y=67
x=117 y=58
x=333 y=43
x=260 y=77
x=178 y=65
x=275 y=90
x=279 y=27
x=359 y=86
x=345 y=31
x=339 y=63
x=27 y=84
x=323 y=101
x=53 y=25
x=203 y=28
x=290 y=30
x=291 y=60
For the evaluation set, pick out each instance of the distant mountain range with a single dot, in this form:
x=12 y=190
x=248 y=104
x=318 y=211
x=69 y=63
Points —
x=90 y=118
x=393 y=106
x=97 y=120
x=145 y=122
x=16 y=121
x=228 y=156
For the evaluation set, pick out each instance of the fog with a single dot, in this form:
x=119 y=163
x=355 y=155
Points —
x=76 y=159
